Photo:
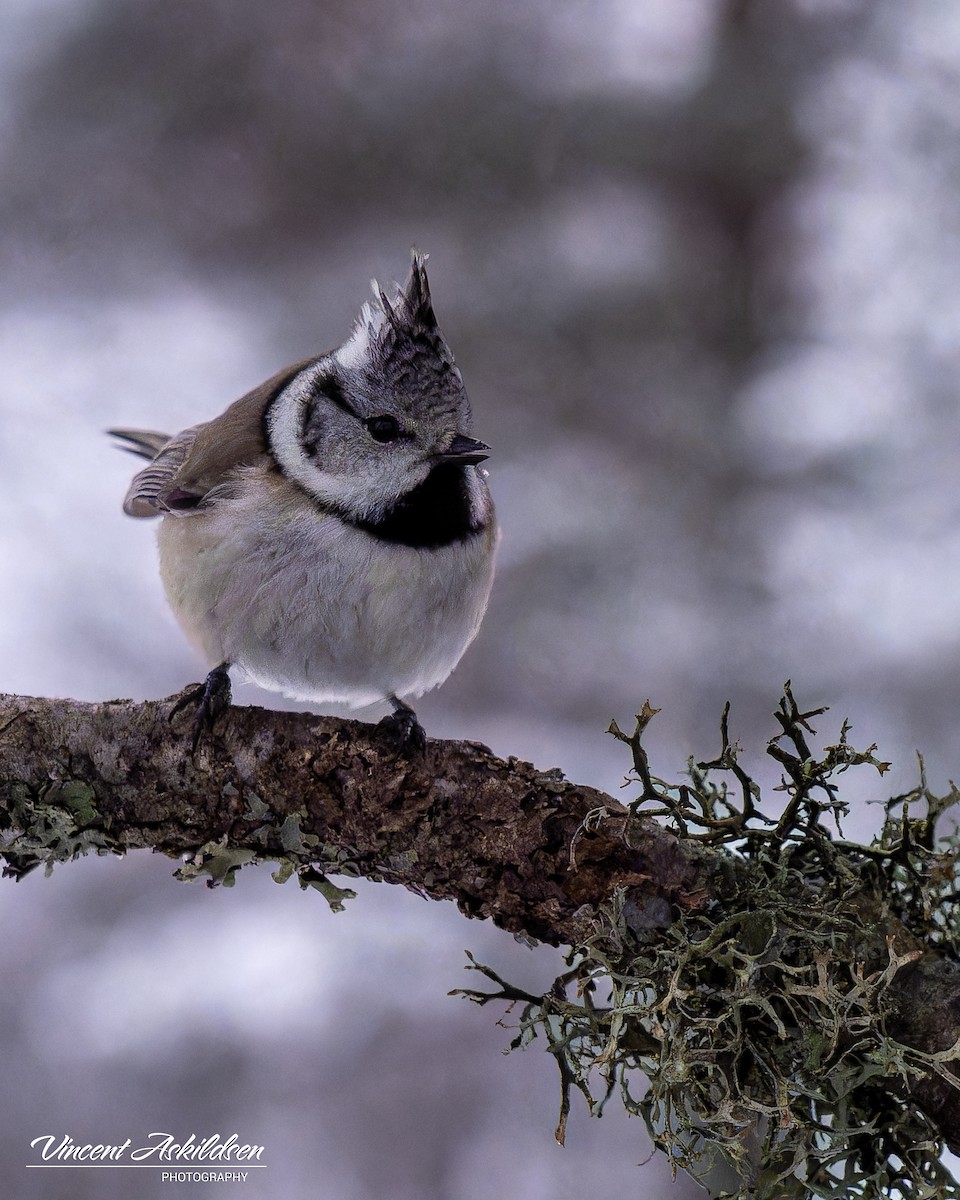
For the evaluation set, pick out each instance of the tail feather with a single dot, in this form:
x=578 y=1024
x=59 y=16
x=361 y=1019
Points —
x=147 y=443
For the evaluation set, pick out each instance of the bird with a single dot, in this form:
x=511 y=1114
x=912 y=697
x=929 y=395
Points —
x=331 y=535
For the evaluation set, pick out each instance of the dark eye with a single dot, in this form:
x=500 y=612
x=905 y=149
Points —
x=383 y=429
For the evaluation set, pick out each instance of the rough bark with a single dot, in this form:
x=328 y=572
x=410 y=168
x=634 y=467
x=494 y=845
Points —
x=526 y=848
x=455 y=824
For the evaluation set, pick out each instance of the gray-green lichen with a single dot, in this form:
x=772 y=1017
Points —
x=219 y=862
x=755 y=1030
x=54 y=823
x=61 y=821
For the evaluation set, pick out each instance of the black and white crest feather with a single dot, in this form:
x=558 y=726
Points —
x=399 y=339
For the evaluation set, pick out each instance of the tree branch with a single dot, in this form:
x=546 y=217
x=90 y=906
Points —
x=531 y=851
x=457 y=824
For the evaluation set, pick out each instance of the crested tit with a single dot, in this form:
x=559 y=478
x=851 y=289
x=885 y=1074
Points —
x=331 y=533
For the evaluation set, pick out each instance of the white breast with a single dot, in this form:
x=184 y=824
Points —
x=315 y=608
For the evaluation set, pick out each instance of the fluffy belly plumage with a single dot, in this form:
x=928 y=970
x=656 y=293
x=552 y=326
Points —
x=272 y=599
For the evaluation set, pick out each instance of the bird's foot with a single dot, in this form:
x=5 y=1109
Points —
x=403 y=729
x=212 y=699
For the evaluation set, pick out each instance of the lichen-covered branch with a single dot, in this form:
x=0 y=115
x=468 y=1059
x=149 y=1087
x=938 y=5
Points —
x=559 y=862
x=524 y=847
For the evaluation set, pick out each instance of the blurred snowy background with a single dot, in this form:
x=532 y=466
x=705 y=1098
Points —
x=699 y=263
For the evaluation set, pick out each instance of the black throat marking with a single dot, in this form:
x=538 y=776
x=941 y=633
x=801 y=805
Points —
x=435 y=513
x=438 y=512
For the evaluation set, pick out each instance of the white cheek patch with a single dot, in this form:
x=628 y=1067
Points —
x=357 y=492
x=285 y=431
x=285 y=420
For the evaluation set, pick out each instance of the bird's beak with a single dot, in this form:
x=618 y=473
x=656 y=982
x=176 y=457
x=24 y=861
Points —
x=464 y=450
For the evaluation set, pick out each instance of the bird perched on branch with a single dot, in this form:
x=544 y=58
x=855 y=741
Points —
x=331 y=533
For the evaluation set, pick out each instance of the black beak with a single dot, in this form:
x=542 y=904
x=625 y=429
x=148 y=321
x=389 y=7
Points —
x=464 y=450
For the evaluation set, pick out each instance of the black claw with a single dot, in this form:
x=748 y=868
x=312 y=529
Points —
x=212 y=699
x=403 y=729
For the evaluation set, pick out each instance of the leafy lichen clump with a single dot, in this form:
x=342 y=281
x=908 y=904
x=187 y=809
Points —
x=55 y=823
x=752 y=1032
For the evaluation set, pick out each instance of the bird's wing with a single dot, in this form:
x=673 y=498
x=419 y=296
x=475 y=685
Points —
x=152 y=491
x=186 y=467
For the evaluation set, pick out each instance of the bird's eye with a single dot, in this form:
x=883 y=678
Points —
x=383 y=429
